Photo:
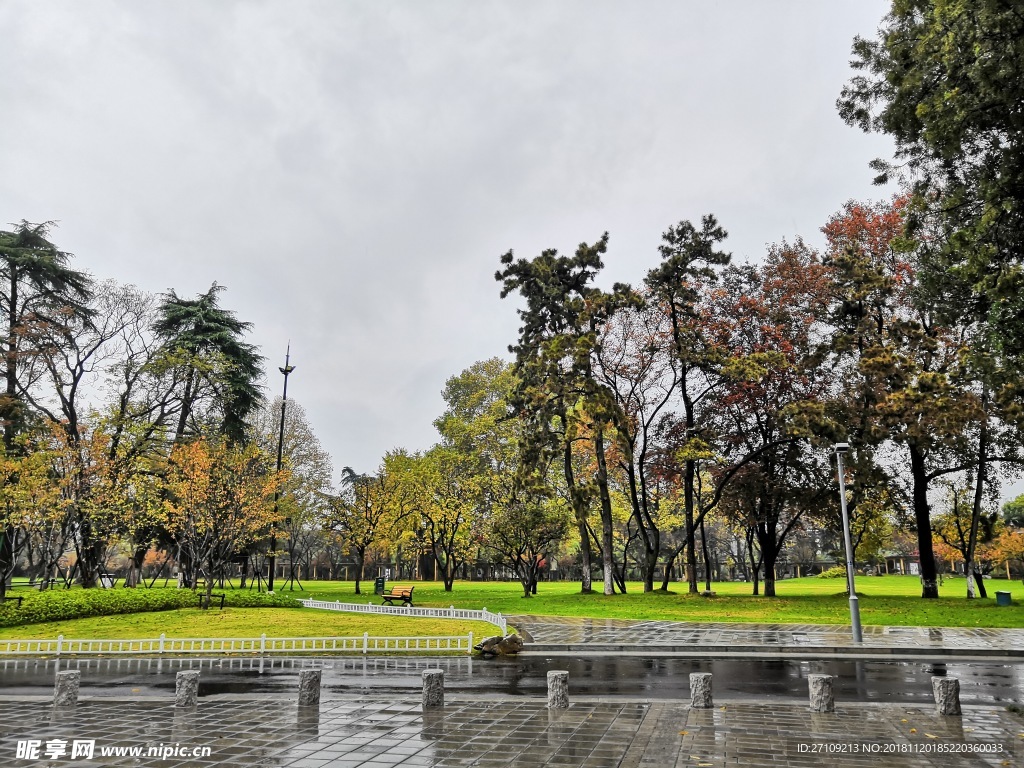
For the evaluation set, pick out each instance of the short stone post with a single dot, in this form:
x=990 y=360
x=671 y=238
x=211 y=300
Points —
x=700 y=690
x=186 y=689
x=820 y=689
x=65 y=688
x=558 y=689
x=309 y=688
x=947 y=695
x=433 y=688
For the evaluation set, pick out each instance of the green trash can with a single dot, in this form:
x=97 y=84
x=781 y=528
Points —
x=1002 y=598
x=378 y=585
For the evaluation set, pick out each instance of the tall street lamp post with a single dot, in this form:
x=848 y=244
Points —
x=280 y=449
x=842 y=448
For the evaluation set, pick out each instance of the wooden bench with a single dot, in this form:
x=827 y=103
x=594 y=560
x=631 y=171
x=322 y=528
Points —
x=398 y=593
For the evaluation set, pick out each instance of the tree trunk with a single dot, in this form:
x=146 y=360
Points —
x=579 y=508
x=755 y=563
x=669 y=567
x=707 y=559
x=360 y=557
x=922 y=517
x=606 y=513
x=691 y=549
x=979 y=581
x=979 y=490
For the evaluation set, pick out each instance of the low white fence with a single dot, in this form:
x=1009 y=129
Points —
x=438 y=613
x=253 y=645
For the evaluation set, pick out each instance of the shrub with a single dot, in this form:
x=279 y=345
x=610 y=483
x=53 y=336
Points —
x=835 y=572
x=63 y=604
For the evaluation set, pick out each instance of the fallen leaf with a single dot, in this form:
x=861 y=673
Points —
x=904 y=720
x=913 y=730
x=931 y=736
x=683 y=733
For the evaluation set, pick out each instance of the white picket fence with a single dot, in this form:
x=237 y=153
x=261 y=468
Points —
x=252 y=645
x=395 y=610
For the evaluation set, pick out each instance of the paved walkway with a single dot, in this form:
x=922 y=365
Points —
x=569 y=634
x=487 y=733
x=372 y=732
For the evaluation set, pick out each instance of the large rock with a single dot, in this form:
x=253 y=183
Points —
x=506 y=646
x=511 y=645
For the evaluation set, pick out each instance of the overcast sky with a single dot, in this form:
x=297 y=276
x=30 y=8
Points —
x=352 y=171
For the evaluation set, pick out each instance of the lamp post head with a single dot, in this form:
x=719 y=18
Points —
x=842 y=448
x=287 y=369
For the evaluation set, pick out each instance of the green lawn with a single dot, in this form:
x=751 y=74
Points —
x=885 y=600
x=246 y=622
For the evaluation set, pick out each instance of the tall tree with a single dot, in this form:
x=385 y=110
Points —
x=450 y=493
x=773 y=383
x=690 y=260
x=219 y=499
x=219 y=369
x=369 y=510
x=37 y=287
x=560 y=331
x=946 y=80
x=909 y=381
x=75 y=359
x=635 y=365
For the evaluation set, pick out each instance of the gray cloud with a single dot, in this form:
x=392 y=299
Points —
x=351 y=171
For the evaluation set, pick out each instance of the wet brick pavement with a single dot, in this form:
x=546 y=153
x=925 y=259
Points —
x=573 y=631
x=591 y=734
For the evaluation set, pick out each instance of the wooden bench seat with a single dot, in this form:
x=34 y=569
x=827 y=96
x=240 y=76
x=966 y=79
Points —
x=398 y=593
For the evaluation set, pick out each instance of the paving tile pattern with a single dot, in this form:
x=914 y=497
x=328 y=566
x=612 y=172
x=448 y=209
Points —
x=344 y=734
x=577 y=631
x=883 y=736
x=518 y=734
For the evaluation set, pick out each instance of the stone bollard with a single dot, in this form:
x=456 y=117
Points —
x=433 y=688
x=700 y=690
x=309 y=688
x=947 y=695
x=558 y=689
x=186 y=689
x=65 y=688
x=820 y=689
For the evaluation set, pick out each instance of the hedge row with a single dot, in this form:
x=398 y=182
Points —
x=63 y=604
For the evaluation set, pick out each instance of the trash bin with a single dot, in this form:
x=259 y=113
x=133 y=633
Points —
x=378 y=586
x=1002 y=598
